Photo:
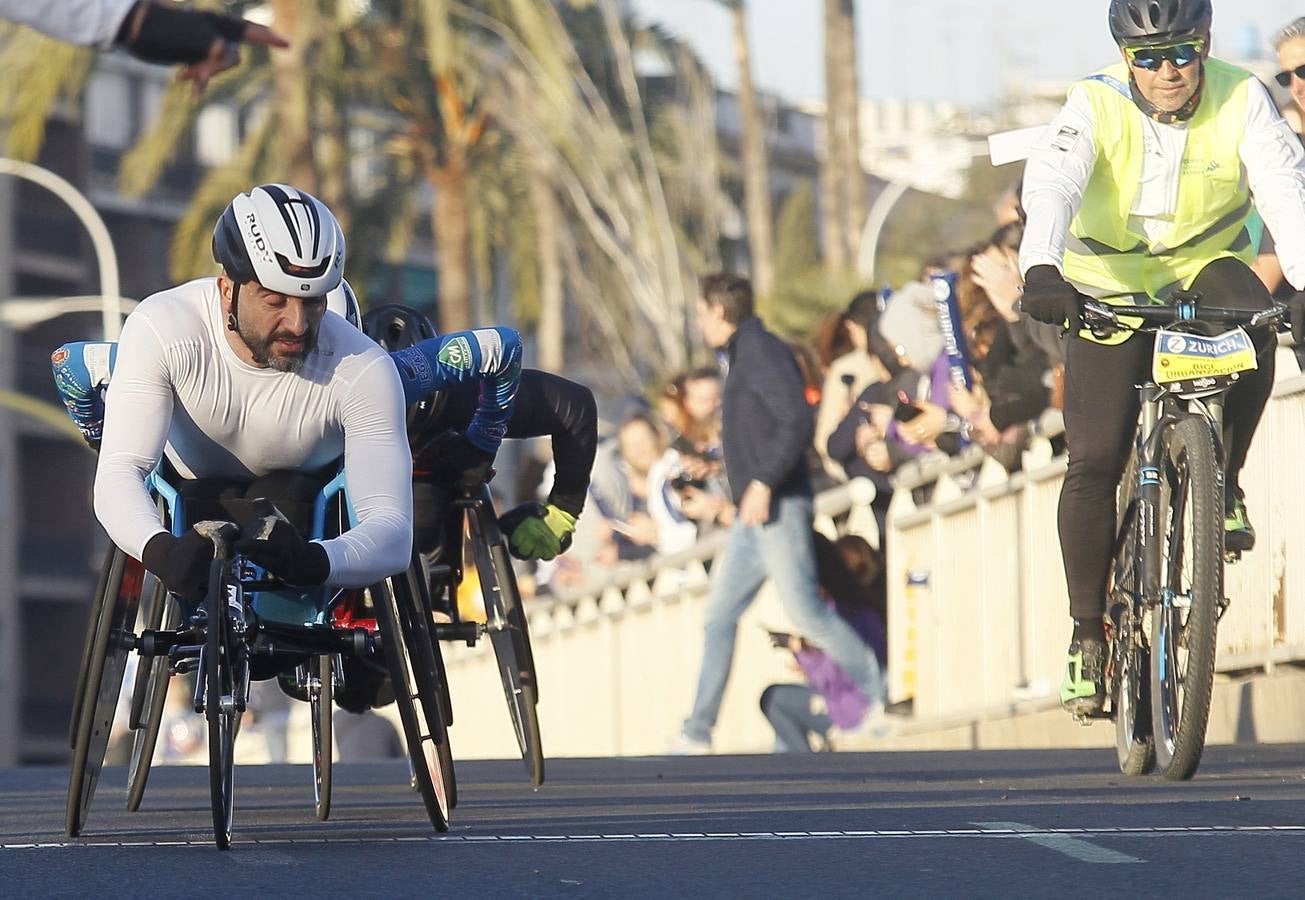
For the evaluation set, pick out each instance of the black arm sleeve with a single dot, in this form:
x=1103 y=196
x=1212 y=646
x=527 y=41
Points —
x=550 y=406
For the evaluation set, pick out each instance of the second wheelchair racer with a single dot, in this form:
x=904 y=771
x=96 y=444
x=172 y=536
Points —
x=547 y=406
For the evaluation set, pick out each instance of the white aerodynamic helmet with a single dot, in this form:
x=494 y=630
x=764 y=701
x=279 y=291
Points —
x=344 y=303
x=283 y=238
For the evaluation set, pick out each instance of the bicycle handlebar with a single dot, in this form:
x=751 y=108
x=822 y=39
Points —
x=1104 y=318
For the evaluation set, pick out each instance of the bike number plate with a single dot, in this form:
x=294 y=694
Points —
x=1198 y=361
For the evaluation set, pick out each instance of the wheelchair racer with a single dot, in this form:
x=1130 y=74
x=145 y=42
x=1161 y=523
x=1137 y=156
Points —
x=245 y=374
x=1142 y=186
x=547 y=405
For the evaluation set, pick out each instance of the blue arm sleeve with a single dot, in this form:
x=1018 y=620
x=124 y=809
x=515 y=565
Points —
x=81 y=375
x=491 y=356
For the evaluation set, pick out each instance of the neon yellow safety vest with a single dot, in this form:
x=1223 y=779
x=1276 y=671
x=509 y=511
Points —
x=1104 y=257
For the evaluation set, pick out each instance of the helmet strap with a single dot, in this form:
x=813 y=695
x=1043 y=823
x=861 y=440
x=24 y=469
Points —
x=233 y=322
x=1164 y=117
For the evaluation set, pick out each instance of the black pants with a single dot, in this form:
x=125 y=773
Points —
x=1101 y=408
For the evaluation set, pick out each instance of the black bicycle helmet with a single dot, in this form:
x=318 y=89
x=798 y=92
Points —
x=1135 y=23
x=397 y=327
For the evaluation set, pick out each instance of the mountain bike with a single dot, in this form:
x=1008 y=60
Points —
x=1166 y=594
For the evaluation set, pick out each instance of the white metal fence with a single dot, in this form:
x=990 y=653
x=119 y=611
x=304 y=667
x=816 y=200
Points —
x=977 y=613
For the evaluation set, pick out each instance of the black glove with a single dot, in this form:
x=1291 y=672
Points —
x=1049 y=298
x=278 y=547
x=454 y=459
x=182 y=564
x=164 y=33
x=1296 y=312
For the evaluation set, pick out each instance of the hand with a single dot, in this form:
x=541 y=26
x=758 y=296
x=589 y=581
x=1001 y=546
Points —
x=1049 y=298
x=696 y=467
x=925 y=427
x=1296 y=311
x=754 y=505
x=462 y=463
x=537 y=530
x=999 y=277
x=225 y=54
x=878 y=458
x=641 y=529
x=182 y=564
x=701 y=506
x=278 y=547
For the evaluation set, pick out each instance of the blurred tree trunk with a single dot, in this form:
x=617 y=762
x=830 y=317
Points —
x=452 y=234
x=756 y=175
x=551 y=335
x=833 y=235
x=848 y=119
x=293 y=102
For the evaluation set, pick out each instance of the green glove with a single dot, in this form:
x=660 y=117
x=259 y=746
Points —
x=538 y=531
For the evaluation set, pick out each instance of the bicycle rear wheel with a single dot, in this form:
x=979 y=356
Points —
x=1184 y=622
x=510 y=635
x=220 y=712
x=150 y=717
x=1129 y=654
x=105 y=670
x=320 y=695
x=409 y=658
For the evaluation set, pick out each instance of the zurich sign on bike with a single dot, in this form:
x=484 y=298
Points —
x=1180 y=356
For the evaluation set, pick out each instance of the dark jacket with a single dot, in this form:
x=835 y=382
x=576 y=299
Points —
x=766 y=423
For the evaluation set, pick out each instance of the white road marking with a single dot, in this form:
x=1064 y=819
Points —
x=1073 y=847
x=1060 y=837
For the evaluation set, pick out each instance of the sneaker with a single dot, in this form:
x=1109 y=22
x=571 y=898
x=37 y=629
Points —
x=683 y=745
x=874 y=726
x=1083 y=692
x=1238 y=534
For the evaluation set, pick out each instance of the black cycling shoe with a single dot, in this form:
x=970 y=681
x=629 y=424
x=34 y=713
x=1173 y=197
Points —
x=1238 y=533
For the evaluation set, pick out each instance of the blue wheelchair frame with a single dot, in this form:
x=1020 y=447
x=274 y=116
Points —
x=287 y=606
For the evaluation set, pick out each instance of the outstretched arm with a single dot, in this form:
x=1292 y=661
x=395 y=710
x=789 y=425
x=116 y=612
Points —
x=490 y=356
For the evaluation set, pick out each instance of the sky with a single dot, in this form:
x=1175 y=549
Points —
x=965 y=51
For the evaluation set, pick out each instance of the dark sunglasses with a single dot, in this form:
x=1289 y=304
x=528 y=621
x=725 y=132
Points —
x=1152 y=58
x=1284 y=77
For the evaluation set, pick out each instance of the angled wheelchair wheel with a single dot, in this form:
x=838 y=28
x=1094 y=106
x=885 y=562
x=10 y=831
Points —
x=510 y=635
x=421 y=590
x=409 y=657
x=88 y=645
x=320 y=700
x=105 y=669
x=221 y=715
x=151 y=695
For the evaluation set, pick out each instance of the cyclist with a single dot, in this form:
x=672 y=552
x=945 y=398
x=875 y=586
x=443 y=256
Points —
x=547 y=405
x=243 y=375
x=1141 y=186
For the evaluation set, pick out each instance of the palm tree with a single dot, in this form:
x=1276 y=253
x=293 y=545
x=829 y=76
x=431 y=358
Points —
x=842 y=181
x=756 y=173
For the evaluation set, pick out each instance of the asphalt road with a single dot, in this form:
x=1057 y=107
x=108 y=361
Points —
x=1012 y=823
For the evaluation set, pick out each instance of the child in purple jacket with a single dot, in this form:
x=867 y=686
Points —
x=851 y=575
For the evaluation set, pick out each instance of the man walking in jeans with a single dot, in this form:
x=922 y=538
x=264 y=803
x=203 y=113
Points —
x=767 y=427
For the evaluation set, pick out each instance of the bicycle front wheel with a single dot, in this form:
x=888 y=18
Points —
x=1185 y=619
x=1129 y=655
x=321 y=693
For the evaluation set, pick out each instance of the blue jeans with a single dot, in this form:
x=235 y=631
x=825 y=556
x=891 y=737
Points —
x=788 y=709
x=784 y=551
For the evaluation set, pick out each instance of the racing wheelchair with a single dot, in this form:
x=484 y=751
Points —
x=250 y=626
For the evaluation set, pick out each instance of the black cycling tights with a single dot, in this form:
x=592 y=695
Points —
x=1101 y=407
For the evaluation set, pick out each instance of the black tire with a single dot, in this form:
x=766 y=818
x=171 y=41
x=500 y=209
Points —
x=1130 y=688
x=420 y=588
x=320 y=703
x=408 y=656
x=146 y=737
x=219 y=681
x=88 y=645
x=1183 y=640
x=102 y=686
x=510 y=636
